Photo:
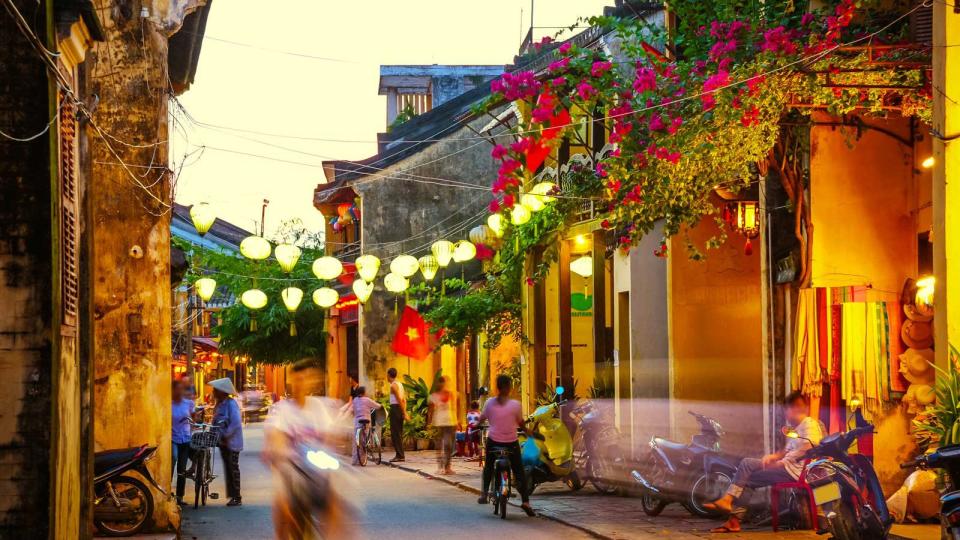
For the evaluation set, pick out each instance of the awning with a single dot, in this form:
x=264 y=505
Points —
x=205 y=343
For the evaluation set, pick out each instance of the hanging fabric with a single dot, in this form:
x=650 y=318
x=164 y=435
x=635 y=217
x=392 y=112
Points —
x=806 y=372
x=854 y=350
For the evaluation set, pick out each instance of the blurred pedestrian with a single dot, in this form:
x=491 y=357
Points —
x=398 y=413
x=181 y=418
x=227 y=416
x=363 y=408
x=441 y=414
x=473 y=429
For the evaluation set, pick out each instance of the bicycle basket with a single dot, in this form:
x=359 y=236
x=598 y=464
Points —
x=204 y=439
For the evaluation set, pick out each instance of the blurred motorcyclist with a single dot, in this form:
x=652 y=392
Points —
x=301 y=503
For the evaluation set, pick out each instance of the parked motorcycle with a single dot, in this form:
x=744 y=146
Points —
x=689 y=474
x=547 y=455
x=598 y=448
x=948 y=459
x=123 y=504
x=846 y=488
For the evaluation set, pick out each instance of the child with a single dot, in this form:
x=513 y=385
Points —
x=473 y=429
x=363 y=407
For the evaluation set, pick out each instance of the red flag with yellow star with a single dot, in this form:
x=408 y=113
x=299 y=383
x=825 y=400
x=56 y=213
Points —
x=413 y=336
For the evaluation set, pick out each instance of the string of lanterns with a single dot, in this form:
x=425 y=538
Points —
x=402 y=268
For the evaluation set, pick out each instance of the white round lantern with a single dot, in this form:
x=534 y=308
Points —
x=287 y=256
x=405 y=265
x=325 y=297
x=464 y=251
x=255 y=247
x=519 y=215
x=496 y=224
x=327 y=268
x=395 y=283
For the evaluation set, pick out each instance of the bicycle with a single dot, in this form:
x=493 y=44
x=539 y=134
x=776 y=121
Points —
x=369 y=446
x=502 y=482
x=202 y=442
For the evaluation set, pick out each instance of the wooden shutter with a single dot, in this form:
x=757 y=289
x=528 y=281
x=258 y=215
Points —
x=69 y=212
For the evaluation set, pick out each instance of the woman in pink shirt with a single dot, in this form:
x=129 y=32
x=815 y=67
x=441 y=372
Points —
x=505 y=416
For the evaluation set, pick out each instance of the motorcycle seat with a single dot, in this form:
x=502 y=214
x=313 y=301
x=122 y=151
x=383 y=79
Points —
x=110 y=459
x=669 y=445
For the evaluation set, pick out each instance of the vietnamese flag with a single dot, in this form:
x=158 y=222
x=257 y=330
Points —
x=412 y=337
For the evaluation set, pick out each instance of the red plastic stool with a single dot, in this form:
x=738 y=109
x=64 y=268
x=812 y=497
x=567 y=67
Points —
x=800 y=484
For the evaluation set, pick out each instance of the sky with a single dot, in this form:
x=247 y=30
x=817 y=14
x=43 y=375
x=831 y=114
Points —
x=247 y=80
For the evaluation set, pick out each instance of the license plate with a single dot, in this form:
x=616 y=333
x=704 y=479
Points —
x=826 y=493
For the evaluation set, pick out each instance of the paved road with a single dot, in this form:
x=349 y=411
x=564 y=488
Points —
x=397 y=505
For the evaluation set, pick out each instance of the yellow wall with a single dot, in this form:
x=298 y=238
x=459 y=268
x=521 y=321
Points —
x=867 y=204
x=715 y=337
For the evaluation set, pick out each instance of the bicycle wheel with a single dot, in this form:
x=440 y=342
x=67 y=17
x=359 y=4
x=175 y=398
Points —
x=208 y=477
x=496 y=494
x=505 y=497
x=199 y=478
x=362 y=446
x=374 y=448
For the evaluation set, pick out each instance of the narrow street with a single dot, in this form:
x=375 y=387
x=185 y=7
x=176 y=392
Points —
x=388 y=511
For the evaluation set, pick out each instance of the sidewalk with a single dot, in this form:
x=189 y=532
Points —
x=614 y=517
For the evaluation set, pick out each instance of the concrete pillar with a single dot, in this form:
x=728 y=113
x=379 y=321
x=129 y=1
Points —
x=946 y=181
x=391 y=106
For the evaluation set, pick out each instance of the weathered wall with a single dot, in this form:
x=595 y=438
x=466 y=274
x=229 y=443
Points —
x=865 y=200
x=131 y=208
x=715 y=339
x=26 y=321
x=394 y=210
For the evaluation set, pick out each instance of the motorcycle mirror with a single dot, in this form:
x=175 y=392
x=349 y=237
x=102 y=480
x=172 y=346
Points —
x=559 y=390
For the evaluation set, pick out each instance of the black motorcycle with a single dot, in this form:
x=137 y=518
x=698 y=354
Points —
x=123 y=504
x=689 y=474
x=846 y=488
x=598 y=448
x=948 y=459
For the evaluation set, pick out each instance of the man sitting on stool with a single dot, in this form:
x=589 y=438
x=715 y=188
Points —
x=783 y=466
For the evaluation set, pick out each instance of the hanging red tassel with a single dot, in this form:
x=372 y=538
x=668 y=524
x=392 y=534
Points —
x=748 y=248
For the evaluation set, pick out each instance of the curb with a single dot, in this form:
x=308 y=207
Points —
x=475 y=491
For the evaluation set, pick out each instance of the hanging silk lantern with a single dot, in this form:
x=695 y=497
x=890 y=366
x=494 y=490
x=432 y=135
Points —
x=542 y=189
x=519 y=214
x=532 y=202
x=405 y=265
x=292 y=296
x=205 y=288
x=363 y=290
x=203 y=217
x=254 y=300
x=327 y=268
x=483 y=234
x=368 y=266
x=583 y=266
x=255 y=247
x=428 y=267
x=496 y=224
x=442 y=250
x=395 y=283
x=344 y=215
x=325 y=297
x=464 y=251
x=287 y=256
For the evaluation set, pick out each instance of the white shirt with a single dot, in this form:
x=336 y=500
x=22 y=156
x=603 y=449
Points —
x=312 y=422
x=795 y=449
x=399 y=388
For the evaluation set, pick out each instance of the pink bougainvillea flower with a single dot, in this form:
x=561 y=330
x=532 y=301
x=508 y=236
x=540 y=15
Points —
x=494 y=206
x=601 y=169
x=646 y=80
x=559 y=65
x=675 y=124
x=585 y=90
x=498 y=185
x=565 y=48
x=605 y=224
x=600 y=67
x=712 y=84
x=806 y=19
x=520 y=146
x=484 y=253
x=508 y=166
x=531 y=282
x=615 y=153
x=508 y=200
x=614 y=186
x=750 y=117
x=652 y=149
x=499 y=151
x=753 y=83
x=673 y=157
x=557 y=82
x=656 y=123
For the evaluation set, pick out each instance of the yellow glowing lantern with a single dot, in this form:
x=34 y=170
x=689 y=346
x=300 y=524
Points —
x=253 y=299
x=532 y=202
x=443 y=251
x=748 y=218
x=582 y=266
x=519 y=214
x=464 y=251
x=395 y=283
x=405 y=266
x=327 y=268
x=367 y=266
x=542 y=189
x=203 y=217
x=287 y=256
x=925 y=290
x=363 y=290
x=205 y=288
x=326 y=297
x=292 y=296
x=483 y=234
x=255 y=247
x=428 y=267
x=496 y=224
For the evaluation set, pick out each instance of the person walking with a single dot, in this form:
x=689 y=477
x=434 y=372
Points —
x=398 y=414
x=441 y=415
x=227 y=416
x=505 y=416
x=180 y=421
